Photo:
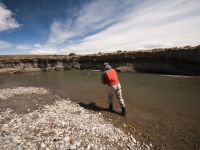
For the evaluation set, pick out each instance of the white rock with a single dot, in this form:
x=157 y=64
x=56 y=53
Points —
x=28 y=143
x=42 y=145
x=66 y=139
x=88 y=147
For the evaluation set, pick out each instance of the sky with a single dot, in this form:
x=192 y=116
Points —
x=92 y=26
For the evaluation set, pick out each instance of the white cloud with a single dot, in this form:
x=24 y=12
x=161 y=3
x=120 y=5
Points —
x=128 y=25
x=25 y=46
x=44 y=52
x=6 y=19
x=59 y=33
x=94 y=16
x=38 y=49
x=37 y=45
x=4 y=45
x=29 y=46
x=164 y=24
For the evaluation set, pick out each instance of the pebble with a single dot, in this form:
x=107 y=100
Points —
x=43 y=145
x=18 y=141
x=73 y=146
x=88 y=147
x=151 y=145
x=28 y=143
x=66 y=139
x=9 y=147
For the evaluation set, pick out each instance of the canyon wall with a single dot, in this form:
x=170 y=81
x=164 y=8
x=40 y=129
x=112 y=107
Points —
x=181 y=61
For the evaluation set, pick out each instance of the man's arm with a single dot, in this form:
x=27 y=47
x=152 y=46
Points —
x=103 y=79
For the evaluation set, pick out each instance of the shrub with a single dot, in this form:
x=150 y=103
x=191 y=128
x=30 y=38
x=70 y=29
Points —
x=72 y=54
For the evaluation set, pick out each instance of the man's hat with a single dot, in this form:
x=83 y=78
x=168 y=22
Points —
x=107 y=66
x=106 y=63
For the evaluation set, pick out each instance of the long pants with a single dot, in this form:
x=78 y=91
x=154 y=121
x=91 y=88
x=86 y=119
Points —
x=115 y=90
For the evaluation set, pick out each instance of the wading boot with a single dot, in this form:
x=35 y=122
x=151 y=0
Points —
x=123 y=111
x=111 y=108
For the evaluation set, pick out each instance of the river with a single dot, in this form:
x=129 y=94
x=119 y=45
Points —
x=162 y=110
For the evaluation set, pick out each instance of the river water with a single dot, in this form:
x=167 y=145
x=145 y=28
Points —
x=163 y=110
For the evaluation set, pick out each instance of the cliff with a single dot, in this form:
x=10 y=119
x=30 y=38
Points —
x=182 y=61
x=16 y=64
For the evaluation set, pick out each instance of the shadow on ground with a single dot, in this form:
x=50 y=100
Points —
x=26 y=103
x=92 y=106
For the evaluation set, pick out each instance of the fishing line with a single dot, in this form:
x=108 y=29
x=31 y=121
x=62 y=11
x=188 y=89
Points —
x=88 y=75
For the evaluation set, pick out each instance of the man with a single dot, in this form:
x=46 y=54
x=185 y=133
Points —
x=110 y=78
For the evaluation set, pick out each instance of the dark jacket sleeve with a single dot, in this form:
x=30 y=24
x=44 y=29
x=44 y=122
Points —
x=103 y=79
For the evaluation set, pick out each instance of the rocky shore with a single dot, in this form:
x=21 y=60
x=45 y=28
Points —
x=175 y=61
x=62 y=125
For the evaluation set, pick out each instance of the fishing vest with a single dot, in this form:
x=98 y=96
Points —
x=111 y=77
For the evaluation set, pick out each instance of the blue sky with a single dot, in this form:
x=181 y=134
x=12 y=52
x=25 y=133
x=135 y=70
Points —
x=92 y=26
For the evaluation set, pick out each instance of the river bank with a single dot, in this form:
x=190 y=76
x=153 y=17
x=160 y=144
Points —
x=175 y=61
x=55 y=124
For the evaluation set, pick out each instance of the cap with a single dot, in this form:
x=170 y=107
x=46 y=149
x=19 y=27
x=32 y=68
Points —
x=106 y=63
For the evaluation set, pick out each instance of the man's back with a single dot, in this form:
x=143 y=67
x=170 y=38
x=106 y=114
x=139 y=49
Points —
x=111 y=77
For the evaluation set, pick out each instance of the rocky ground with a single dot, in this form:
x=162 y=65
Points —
x=61 y=125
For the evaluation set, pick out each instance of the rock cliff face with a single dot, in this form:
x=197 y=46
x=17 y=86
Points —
x=185 y=61
x=16 y=64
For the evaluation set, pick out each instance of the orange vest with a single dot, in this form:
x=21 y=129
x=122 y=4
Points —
x=111 y=77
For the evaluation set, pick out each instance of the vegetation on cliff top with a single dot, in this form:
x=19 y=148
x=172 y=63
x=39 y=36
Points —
x=160 y=51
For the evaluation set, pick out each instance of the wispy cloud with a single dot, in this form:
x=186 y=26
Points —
x=92 y=18
x=7 y=21
x=45 y=52
x=25 y=47
x=129 y=25
x=4 y=45
x=38 y=49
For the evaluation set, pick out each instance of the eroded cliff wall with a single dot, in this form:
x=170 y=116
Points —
x=185 y=61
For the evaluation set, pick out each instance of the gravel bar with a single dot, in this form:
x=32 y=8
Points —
x=63 y=125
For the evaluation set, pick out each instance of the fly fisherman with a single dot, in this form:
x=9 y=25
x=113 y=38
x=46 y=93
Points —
x=110 y=78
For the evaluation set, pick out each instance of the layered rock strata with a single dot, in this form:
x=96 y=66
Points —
x=180 y=61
